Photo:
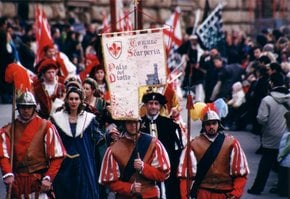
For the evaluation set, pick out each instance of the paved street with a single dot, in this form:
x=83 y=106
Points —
x=249 y=142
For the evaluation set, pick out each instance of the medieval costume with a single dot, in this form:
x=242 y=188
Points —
x=48 y=93
x=119 y=174
x=77 y=177
x=170 y=135
x=38 y=154
x=46 y=101
x=215 y=162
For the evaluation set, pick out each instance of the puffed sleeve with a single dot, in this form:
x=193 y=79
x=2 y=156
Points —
x=187 y=160
x=158 y=166
x=239 y=169
x=55 y=151
x=110 y=174
x=5 y=150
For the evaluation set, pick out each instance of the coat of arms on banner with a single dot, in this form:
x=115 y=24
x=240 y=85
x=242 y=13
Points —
x=132 y=61
x=115 y=49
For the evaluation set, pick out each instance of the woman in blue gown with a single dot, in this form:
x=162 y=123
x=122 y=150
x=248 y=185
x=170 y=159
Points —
x=80 y=134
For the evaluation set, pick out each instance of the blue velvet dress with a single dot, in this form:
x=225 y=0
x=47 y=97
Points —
x=78 y=176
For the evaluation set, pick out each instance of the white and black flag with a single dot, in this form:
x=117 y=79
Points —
x=210 y=32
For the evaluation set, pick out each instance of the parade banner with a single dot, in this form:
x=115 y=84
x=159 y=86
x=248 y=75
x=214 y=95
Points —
x=131 y=61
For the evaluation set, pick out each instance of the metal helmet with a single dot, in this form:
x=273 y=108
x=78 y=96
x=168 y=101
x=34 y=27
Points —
x=211 y=115
x=132 y=119
x=26 y=99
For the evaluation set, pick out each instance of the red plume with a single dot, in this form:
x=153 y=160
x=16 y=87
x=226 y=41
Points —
x=18 y=75
x=209 y=106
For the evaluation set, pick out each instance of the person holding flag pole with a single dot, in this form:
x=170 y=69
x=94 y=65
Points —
x=214 y=164
x=31 y=151
x=134 y=163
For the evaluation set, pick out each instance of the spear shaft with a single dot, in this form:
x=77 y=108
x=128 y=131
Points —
x=9 y=189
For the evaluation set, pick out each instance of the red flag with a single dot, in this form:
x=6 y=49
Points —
x=43 y=35
x=128 y=24
x=120 y=16
x=44 y=40
x=123 y=22
x=173 y=39
x=173 y=36
x=106 y=27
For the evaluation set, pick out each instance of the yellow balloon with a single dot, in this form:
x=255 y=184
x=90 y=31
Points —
x=195 y=112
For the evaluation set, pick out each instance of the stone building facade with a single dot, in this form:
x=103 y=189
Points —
x=248 y=16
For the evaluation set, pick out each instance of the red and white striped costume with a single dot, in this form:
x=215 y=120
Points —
x=156 y=168
x=226 y=176
x=38 y=153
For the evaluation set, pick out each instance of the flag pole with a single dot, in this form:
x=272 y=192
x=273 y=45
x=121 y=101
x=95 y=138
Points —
x=140 y=16
x=189 y=106
x=137 y=179
x=137 y=150
x=9 y=189
x=135 y=14
x=113 y=15
x=197 y=15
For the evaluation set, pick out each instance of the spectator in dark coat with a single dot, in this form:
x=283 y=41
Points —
x=26 y=54
x=258 y=90
x=7 y=56
x=227 y=76
x=211 y=75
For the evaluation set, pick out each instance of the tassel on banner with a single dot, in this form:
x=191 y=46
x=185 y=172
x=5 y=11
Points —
x=189 y=102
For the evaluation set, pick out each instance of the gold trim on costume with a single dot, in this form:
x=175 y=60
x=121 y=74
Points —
x=72 y=156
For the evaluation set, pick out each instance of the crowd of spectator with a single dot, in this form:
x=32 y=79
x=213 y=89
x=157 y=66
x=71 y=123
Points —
x=249 y=61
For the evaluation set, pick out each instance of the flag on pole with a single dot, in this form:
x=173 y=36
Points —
x=123 y=20
x=210 y=32
x=44 y=39
x=128 y=26
x=206 y=10
x=120 y=17
x=106 y=26
x=43 y=35
x=173 y=39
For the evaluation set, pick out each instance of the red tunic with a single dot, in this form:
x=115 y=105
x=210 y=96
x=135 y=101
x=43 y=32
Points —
x=38 y=152
x=156 y=168
x=227 y=173
x=44 y=100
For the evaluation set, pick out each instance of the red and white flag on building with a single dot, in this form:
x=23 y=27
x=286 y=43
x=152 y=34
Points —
x=43 y=35
x=173 y=38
